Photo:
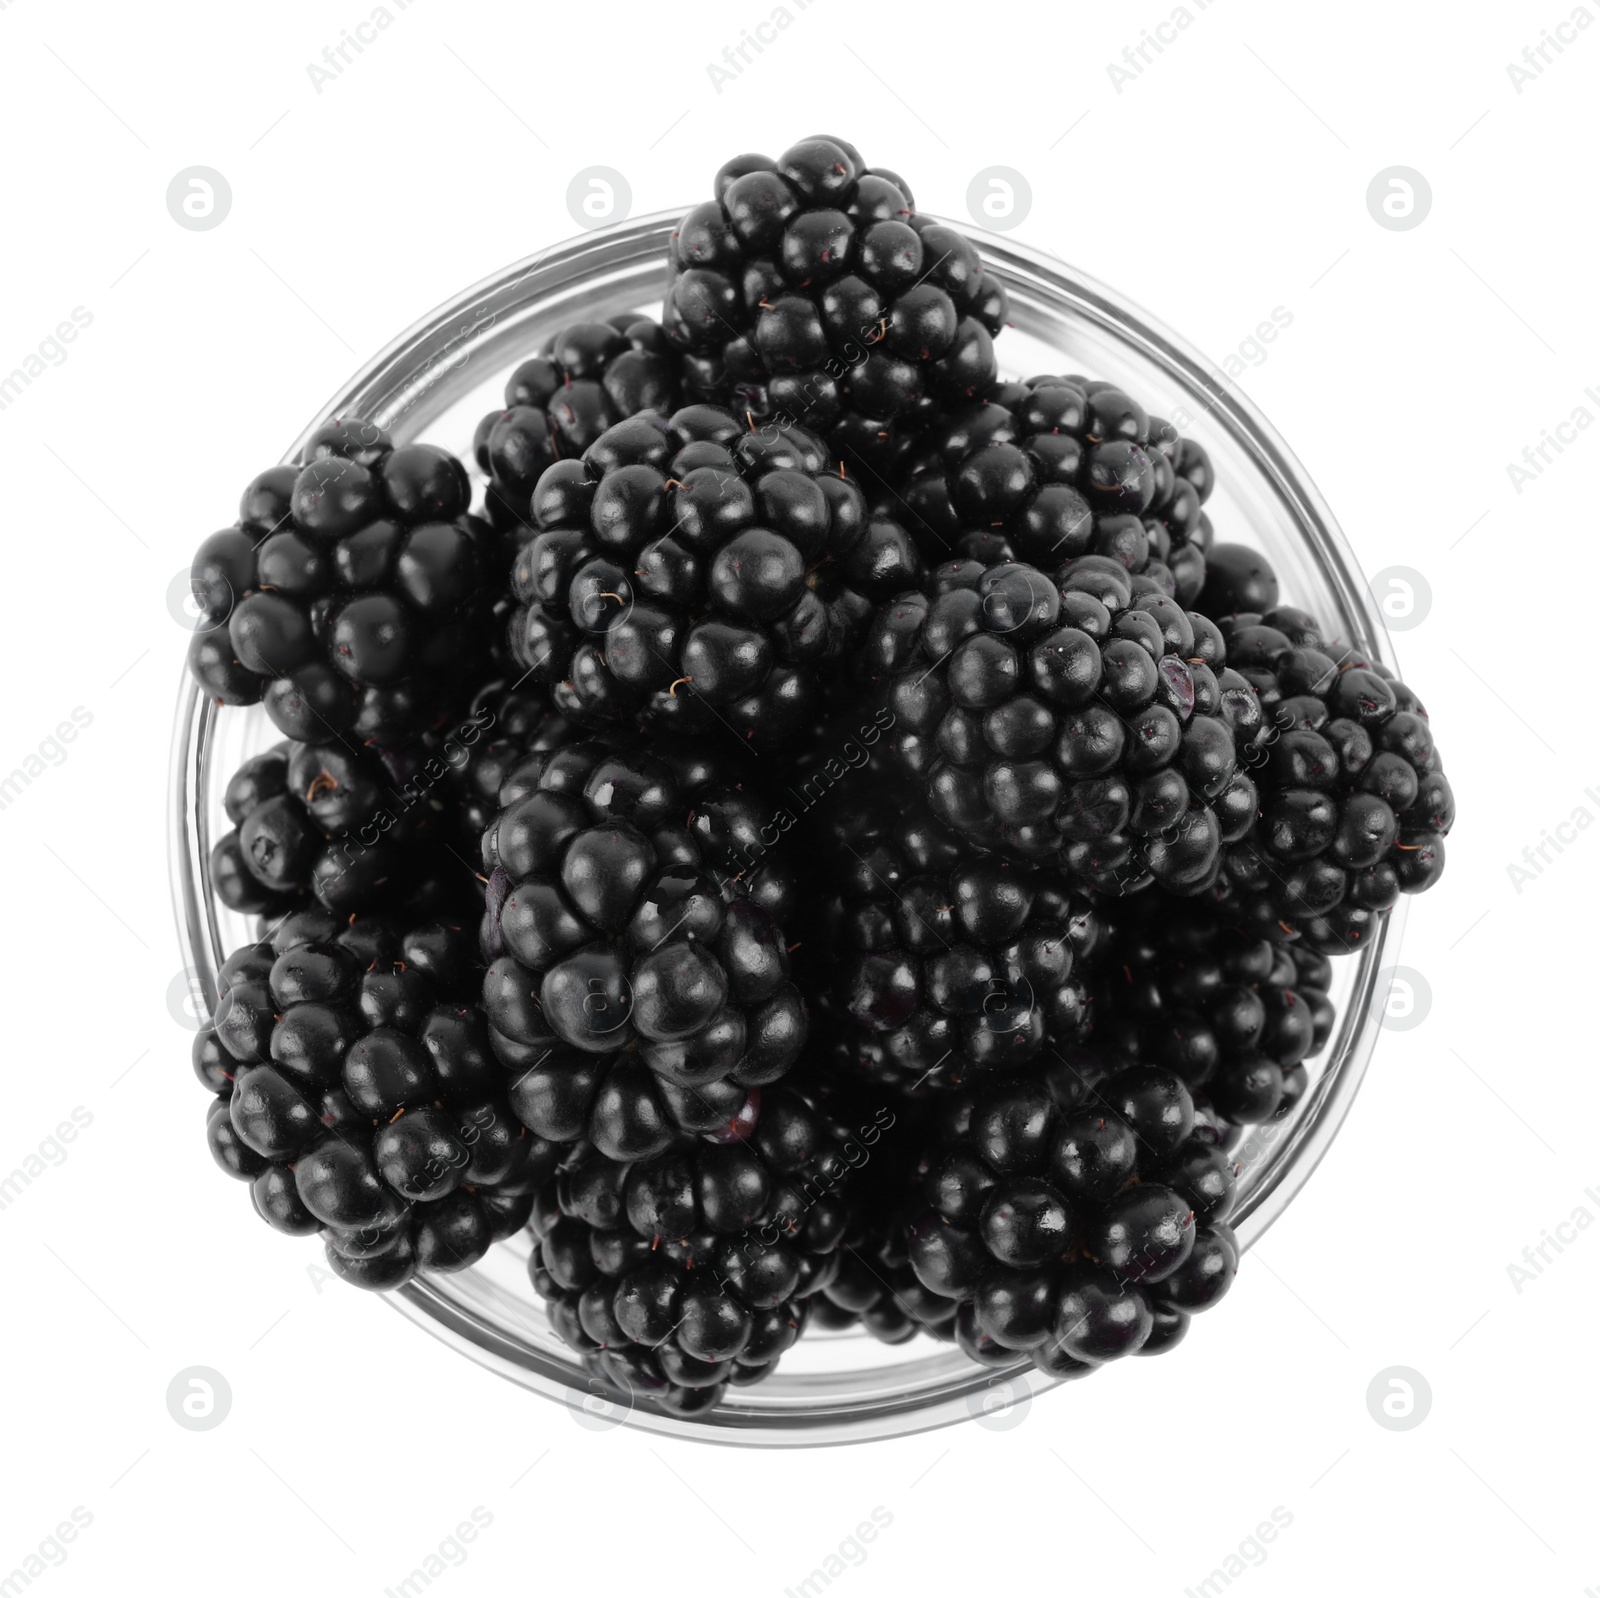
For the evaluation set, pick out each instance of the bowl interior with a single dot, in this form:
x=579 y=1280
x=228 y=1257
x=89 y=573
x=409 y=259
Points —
x=434 y=383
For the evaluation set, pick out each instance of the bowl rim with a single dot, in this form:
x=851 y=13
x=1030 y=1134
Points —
x=406 y=383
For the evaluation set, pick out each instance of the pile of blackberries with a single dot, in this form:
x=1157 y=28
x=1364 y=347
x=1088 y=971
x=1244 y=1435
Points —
x=832 y=841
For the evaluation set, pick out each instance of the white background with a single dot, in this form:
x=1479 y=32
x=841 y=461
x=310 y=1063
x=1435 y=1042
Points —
x=1226 y=180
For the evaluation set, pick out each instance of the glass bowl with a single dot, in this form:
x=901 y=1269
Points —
x=434 y=383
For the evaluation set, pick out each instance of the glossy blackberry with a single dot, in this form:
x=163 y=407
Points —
x=347 y=827
x=1354 y=805
x=1057 y=467
x=1062 y=1213
x=944 y=962
x=639 y=981
x=809 y=288
x=352 y=596
x=357 y=1093
x=694 y=575
x=676 y=1275
x=1083 y=719
x=1229 y=1013
x=586 y=379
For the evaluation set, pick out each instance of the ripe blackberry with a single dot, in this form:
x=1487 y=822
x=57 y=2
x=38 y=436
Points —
x=1057 y=467
x=693 y=575
x=357 y=1093
x=945 y=962
x=1354 y=804
x=586 y=379
x=1083 y=719
x=353 y=593
x=810 y=289
x=347 y=827
x=1230 y=1014
x=681 y=1273
x=638 y=987
x=1062 y=1214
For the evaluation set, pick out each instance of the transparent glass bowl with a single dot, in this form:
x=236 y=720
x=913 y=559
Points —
x=434 y=383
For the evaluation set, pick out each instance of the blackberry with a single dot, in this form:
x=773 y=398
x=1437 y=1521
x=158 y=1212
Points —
x=638 y=988
x=586 y=379
x=1063 y=1211
x=693 y=575
x=1083 y=719
x=1057 y=467
x=346 y=827
x=1230 y=1014
x=352 y=596
x=946 y=962
x=1354 y=805
x=676 y=1275
x=357 y=1093
x=809 y=288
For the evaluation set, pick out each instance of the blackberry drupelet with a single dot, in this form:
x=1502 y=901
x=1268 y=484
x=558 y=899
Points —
x=944 y=962
x=692 y=574
x=676 y=1275
x=353 y=595
x=639 y=981
x=1354 y=803
x=1083 y=719
x=1057 y=467
x=1229 y=1013
x=358 y=1095
x=810 y=289
x=1062 y=1214
x=586 y=379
